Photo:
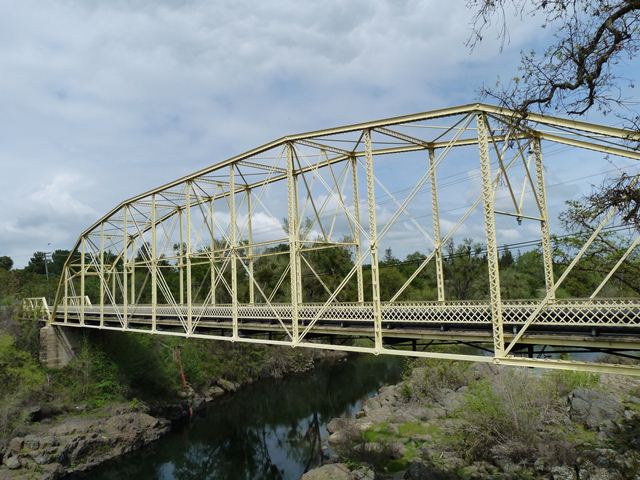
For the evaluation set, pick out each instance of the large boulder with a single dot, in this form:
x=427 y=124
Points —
x=333 y=471
x=596 y=410
x=81 y=443
x=563 y=472
x=227 y=385
x=424 y=470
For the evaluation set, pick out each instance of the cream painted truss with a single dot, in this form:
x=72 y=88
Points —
x=222 y=221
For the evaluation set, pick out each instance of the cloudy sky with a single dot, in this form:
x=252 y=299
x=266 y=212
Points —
x=104 y=100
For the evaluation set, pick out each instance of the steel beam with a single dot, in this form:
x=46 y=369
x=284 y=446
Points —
x=490 y=230
x=373 y=243
x=435 y=212
x=294 y=264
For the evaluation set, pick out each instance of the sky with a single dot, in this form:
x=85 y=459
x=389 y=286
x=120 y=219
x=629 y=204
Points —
x=103 y=100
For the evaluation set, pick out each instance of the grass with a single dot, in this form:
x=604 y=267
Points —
x=408 y=429
x=378 y=433
x=383 y=433
x=566 y=381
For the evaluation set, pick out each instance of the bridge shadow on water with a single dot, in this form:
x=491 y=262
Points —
x=272 y=429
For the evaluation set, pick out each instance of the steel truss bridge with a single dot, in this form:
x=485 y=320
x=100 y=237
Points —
x=209 y=255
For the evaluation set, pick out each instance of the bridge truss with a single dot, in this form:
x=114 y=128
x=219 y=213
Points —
x=232 y=251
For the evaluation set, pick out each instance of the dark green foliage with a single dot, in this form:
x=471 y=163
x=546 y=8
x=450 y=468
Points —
x=22 y=380
x=6 y=263
x=91 y=378
x=18 y=370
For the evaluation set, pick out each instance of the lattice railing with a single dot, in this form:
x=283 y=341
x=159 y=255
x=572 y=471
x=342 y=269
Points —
x=588 y=312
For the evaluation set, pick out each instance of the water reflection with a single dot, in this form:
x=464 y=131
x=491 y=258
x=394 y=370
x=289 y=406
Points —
x=270 y=430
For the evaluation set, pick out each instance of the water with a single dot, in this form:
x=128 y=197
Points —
x=272 y=429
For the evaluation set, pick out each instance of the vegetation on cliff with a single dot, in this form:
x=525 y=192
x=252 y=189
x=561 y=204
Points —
x=476 y=421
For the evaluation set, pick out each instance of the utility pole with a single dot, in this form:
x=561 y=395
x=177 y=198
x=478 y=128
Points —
x=46 y=257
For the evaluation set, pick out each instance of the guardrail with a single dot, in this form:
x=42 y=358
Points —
x=36 y=308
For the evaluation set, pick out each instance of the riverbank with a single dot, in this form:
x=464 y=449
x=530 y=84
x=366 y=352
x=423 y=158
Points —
x=480 y=422
x=58 y=444
x=271 y=429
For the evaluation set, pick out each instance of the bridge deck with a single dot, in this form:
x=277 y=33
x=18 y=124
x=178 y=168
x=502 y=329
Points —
x=601 y=323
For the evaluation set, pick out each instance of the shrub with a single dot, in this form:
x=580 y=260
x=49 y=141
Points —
x=21 y=379
x=565 y=381
x=507 y=415
x=430 y=376
x=18 y=370
x=91 y=378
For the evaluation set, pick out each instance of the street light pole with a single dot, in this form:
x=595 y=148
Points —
x=47 y=256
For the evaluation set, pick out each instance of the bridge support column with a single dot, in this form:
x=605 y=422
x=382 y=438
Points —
x=102 y=274
x=435 y=209
x=373 y=234
x=180 y=258
x=490 y=229
x=154 y=265
x=358 y=235
x=547 y=255
x=125 y=276
x=212 y=250
x=234 y=250
x=294 y=264
x=82 y=274
x=252 y=296
x=188 y=258
x=58 y=345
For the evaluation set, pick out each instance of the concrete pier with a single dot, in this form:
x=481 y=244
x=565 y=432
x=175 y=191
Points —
x=58 y=345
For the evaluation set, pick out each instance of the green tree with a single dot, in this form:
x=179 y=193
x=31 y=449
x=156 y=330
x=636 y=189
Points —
x=6 y=263
x=37 y=263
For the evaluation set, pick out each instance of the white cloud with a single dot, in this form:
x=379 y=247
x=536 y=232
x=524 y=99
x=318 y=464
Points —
x=131 y=94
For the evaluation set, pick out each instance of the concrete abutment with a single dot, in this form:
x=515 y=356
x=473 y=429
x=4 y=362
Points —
x=58 y=345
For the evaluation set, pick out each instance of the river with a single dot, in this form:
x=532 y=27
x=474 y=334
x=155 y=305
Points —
x=272 y=429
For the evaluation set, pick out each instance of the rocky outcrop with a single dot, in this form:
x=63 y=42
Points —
x=56 y=446
x=407 y=437
x=596 y=410
x=77 y=444
x=339 y=471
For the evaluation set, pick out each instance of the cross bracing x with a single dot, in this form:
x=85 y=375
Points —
x=234 y=251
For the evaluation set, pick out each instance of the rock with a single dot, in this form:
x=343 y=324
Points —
x=34 y=413
x=479 y=471
x=15 y=445
x=12 y=463
x=80 y=443
x=363 y=473
x=182 y=394
x=337 y=424
x=596 y=473
x=422 y=470
x=418 y=412
x=434 y=412
x=594 y=409
x=215 y=391
x=563 y=472
x=374 y=448
x=333 y=471
x=336 y=438
x=451 y=400
x=227 y=385
x=397 y=450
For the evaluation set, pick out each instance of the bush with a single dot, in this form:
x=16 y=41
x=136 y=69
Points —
x=18 y=370
x=507 y=415
x=91 y=378
x=430 y=376
x=21 y=379
x=565 y=381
